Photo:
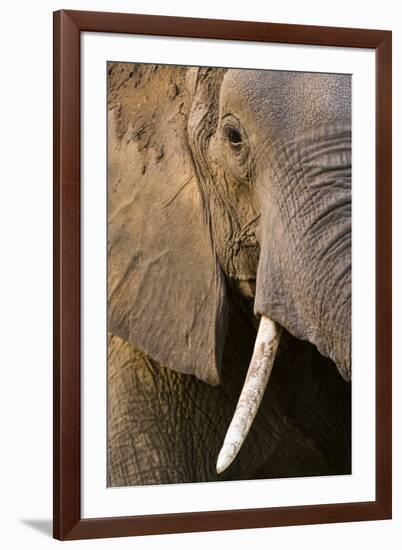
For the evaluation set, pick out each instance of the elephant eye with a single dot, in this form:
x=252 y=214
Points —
x=234 y=137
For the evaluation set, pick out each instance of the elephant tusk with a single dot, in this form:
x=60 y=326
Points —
x=258 y=374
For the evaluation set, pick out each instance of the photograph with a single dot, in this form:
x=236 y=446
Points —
x=229 y=274
x=202 y=240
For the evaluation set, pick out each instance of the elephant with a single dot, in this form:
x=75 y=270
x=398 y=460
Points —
x=229 y=274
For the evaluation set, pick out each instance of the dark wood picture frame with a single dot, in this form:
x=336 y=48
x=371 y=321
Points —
x=68 y=523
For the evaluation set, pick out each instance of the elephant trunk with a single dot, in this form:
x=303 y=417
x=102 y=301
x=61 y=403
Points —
x=304 y=271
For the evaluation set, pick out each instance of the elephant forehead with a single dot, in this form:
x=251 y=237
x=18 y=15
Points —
x=283 y=101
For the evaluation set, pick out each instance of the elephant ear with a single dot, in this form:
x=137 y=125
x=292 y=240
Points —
x=166 y=292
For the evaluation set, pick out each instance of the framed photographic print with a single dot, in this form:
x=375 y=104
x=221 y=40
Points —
x=222 y=230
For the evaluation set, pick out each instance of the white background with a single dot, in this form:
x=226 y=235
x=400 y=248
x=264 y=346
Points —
x=99 y=501
x=26 y=247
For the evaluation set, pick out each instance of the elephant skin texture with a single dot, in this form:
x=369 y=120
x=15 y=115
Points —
x=229 y=197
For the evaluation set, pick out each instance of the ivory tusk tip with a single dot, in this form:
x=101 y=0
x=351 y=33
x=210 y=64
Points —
x=225 y=458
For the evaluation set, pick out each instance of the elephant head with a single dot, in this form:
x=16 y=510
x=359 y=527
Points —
x=250 y=188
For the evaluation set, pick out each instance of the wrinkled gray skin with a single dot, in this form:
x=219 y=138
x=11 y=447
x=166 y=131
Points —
x=234 y=202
